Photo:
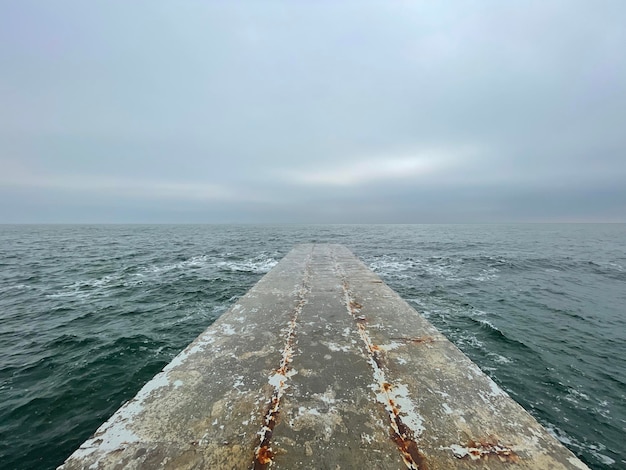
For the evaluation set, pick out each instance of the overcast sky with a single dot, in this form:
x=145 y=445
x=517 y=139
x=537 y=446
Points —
x=312 y=111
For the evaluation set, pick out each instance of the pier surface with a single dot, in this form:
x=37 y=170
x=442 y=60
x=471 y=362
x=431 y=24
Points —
x=321 y=366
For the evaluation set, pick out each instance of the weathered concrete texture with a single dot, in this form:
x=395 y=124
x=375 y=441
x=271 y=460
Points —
x=321 y=366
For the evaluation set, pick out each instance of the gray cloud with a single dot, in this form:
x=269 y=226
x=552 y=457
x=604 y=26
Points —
x=312 y=111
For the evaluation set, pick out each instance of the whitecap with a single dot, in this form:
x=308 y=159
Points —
x=487 y=275
x=403 y=269
x=194 y=262
x=86 y=288
x=499 y=358
x=258 y=265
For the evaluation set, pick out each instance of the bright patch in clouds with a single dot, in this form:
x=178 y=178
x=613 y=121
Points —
x=377 y=169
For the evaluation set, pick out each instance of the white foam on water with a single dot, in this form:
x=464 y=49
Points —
x=260 y=264
x=488 y=274
x=470 y=340
x=407 y=268
x=595 y=450
x=194 y=262
x=18 y=287
x=499 y=358
x=86 y=288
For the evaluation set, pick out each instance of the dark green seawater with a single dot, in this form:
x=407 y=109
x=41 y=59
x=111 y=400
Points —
x=88 y=314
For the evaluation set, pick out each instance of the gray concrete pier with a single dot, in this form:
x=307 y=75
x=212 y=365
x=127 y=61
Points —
x=321 y=366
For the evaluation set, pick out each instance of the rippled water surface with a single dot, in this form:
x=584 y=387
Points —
x=88 y=314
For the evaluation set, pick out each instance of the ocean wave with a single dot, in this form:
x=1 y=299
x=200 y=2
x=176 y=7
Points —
x=260 y=264
x=85 y=288
x=407 y=268
x=451 y=269
x=569 y=265
x=194 y=262
x=494 y=332
x=468 y=339
x=17 y=287
x=488 y=274
x=142 y=293
x=127 y=277
x=499 y=358
x=598 y=451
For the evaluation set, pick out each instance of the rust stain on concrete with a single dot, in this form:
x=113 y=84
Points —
x=264 y=454
x=403 y=434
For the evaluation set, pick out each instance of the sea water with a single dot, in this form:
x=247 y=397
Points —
x=88 y=314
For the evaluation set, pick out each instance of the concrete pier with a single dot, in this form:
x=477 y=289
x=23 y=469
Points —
x=321 y=366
